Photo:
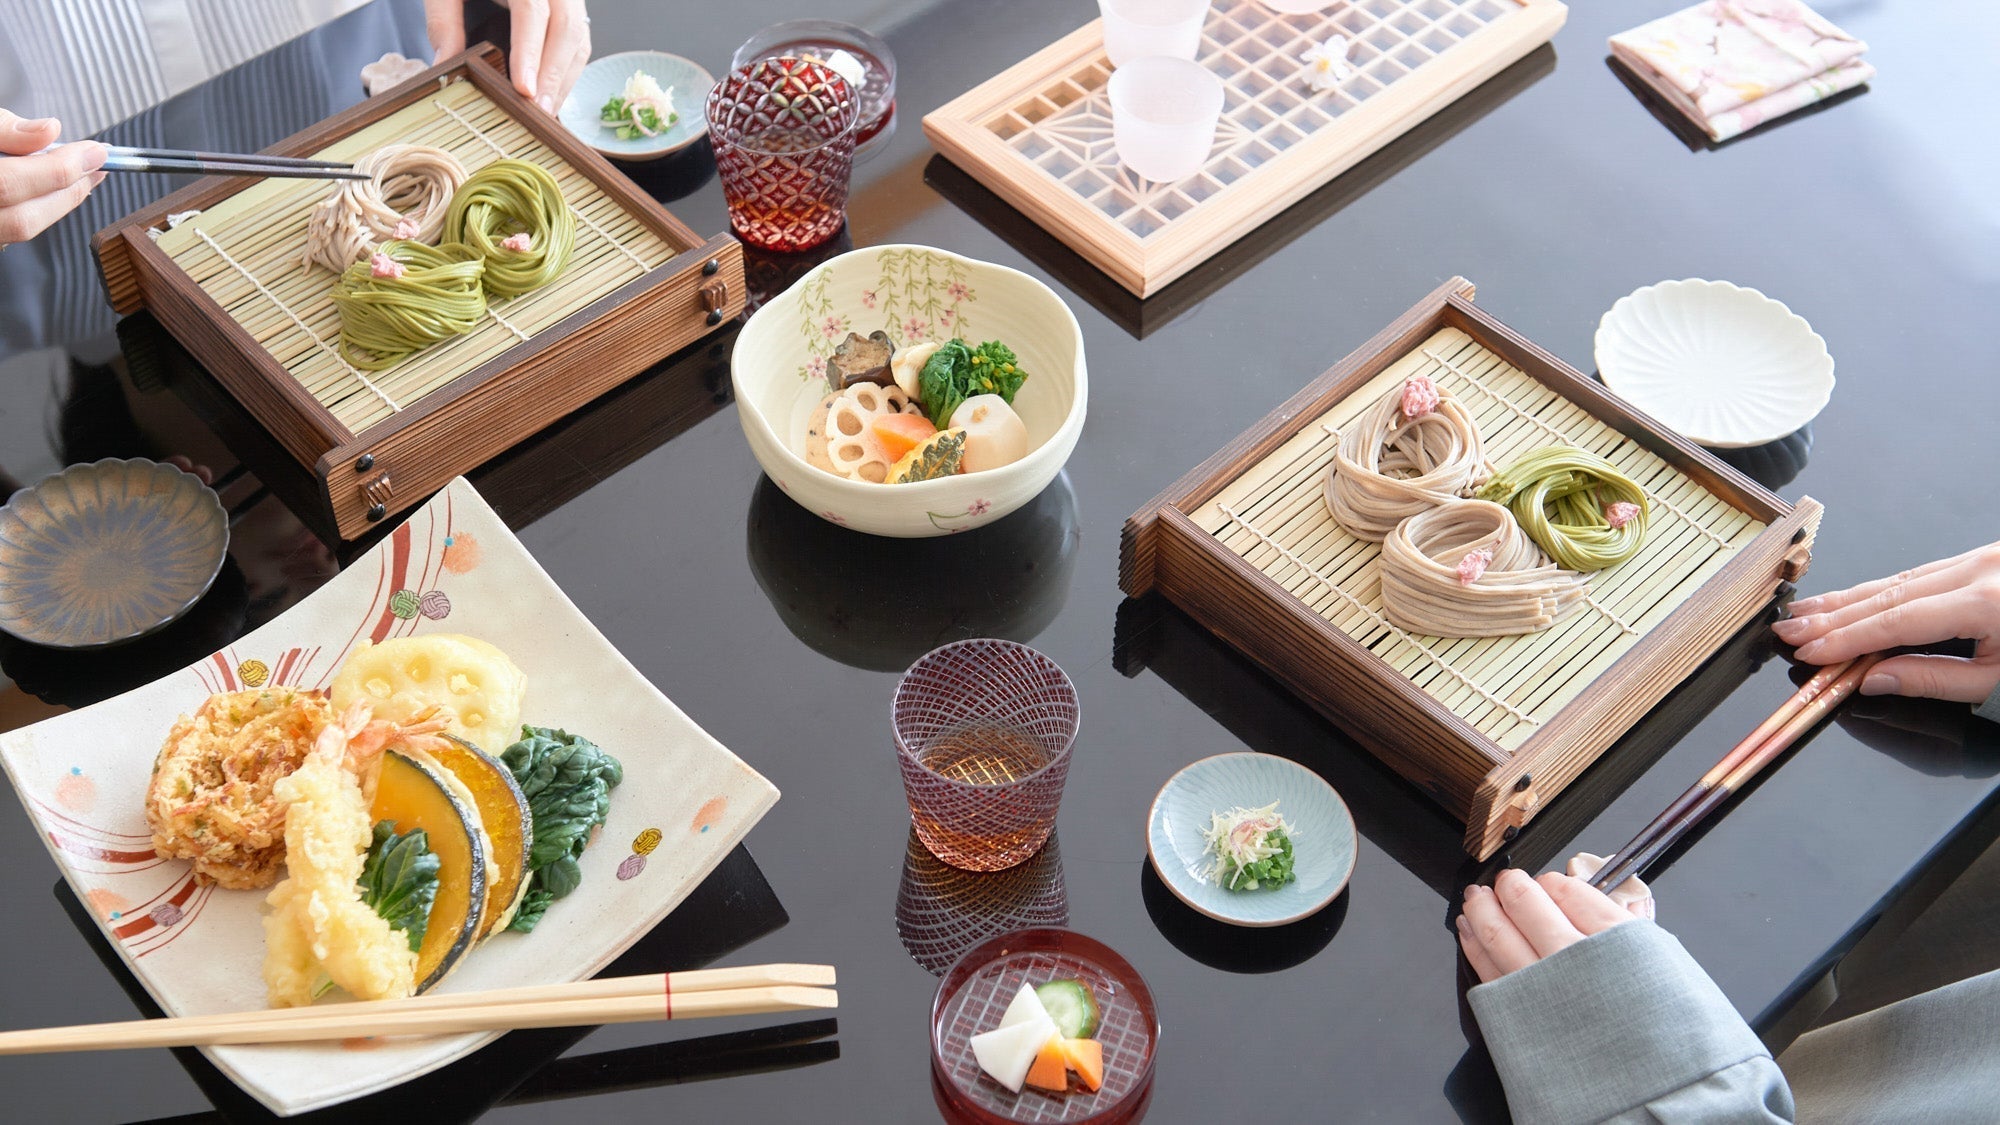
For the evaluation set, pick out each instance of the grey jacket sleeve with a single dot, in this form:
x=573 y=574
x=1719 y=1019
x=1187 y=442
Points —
x=1624 y=1026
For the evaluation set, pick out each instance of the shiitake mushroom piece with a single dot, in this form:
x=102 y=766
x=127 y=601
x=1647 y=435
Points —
x=862 y=359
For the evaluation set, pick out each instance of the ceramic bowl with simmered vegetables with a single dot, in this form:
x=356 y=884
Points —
x=907 y=391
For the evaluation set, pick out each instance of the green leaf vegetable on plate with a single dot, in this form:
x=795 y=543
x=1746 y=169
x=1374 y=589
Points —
x=567 y=780
x=399 y=880
x=642 y=110
x=1251 y=849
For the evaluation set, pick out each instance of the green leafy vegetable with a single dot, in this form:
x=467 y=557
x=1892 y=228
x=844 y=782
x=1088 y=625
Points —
x=567 y=780
x=1272 y=871
x=631 y=121
x=956 y=372
x=399 y=880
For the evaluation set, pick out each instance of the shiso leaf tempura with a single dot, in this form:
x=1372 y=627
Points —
x=1252 y=848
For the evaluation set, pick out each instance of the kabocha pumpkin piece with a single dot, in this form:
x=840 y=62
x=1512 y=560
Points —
x=839 y=438
x=504 y=816
x=861 y=359
x=473 y=685
x=937 y=457
x=411 y=795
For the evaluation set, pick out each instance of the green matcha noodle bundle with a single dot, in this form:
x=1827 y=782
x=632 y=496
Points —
x=406 y=297
x=512 y=214
x=1575 y=505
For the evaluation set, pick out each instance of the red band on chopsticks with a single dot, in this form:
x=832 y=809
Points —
x=667 y=990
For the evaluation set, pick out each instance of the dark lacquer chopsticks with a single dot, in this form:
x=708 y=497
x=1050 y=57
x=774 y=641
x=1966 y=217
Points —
x=119 y=158
x=1812 y=702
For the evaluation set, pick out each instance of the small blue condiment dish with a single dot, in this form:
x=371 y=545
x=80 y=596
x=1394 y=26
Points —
x=1323 y=837
x=605 y=79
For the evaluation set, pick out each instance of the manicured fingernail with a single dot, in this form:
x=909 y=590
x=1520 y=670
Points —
x=1881 y=683
x=1805 y=605
x=23 y=125
x=1791 y=627
x=1470 y=889
x=97 y=178
x=547 y=103
x=1809 y=652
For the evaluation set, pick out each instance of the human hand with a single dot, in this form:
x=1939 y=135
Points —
x=1955 y=598
x=1518 y=921
x=36 y=190
x=551 y=43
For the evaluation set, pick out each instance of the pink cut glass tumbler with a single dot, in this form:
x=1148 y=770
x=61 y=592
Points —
x=983 y=734
x=783 y=133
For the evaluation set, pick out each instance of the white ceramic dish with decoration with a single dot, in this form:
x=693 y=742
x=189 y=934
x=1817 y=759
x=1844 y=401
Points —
x=913 y=293
x=1723 y=364
x=452 y=567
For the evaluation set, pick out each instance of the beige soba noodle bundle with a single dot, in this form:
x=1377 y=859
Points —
x=1413 y=450
x=1464 y=568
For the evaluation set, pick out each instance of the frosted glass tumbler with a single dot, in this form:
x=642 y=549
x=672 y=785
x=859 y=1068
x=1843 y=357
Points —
x=1137 y=29
x=1163 y=114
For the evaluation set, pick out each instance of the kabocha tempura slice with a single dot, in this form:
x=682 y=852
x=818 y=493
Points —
x=318 y=929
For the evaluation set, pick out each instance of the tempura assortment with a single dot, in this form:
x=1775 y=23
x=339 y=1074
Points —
x=403 y=843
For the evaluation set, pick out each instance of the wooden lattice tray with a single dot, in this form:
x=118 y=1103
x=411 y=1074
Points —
x=1039 y=133
x=1492 y=728
x=230 y=285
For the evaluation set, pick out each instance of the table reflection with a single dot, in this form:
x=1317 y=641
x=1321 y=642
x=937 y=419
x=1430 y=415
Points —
x=1238 y=949
x=850 y=595
x=731 y=908
x=942 y=911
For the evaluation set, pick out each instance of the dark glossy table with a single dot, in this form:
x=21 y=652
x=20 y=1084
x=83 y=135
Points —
x=1554 y=189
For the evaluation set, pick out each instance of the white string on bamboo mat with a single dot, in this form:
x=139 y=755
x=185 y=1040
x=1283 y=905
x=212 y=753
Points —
x=503 y=322
x=586 y=220
x=1518 y=412
x=1384 y=622
x=303 y=326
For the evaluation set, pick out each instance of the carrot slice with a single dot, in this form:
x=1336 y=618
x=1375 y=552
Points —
x=1086 y=1057
x=900 y=433
x=1051 y=1071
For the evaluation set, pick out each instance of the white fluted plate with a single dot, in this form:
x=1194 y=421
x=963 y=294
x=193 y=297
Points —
x=1722 y=364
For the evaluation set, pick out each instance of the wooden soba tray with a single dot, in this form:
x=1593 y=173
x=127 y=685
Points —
x=1491 y=728
x=229 y=284
x=1039 y=133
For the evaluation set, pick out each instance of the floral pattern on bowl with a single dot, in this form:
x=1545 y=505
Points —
x=918 y=295
x=913 y=293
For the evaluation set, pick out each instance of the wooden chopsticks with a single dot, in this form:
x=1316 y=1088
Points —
x=1812 y=702
x=748 y=990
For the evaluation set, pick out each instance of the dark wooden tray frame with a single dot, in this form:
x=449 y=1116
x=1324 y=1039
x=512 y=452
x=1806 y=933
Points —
x=398 y=462
x=1492 y=791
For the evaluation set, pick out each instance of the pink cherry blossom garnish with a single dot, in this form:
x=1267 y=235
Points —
x=517 y=242
x=1420 y=396
x=1473 y=565
x=1620 y=514
x=382 y=265
x=406 y=227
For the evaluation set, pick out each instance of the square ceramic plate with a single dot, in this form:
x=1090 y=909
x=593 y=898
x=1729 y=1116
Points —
x=452 y=567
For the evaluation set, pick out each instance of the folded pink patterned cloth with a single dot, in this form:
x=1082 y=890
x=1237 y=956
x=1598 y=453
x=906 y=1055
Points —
x=1731 y=65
